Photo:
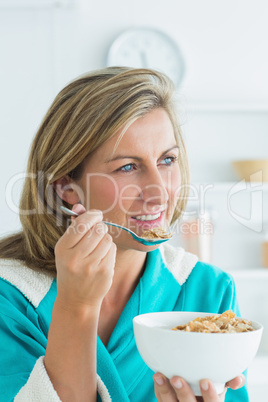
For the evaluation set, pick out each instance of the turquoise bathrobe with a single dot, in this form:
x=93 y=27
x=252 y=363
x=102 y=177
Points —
x=25 y=320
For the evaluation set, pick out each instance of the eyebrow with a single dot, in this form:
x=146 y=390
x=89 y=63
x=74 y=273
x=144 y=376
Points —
x=115 y=158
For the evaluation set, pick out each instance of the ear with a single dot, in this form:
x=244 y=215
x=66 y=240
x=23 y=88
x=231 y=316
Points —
x=66 y=190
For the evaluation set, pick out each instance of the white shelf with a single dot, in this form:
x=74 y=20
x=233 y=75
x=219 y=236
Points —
x=228 y=185
x=249 y=274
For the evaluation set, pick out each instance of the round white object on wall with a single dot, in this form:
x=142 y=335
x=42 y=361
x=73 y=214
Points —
x=148 y=48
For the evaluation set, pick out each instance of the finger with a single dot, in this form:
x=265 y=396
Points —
x=183 y=391
x=100 y=251
x=209 y=392
x=79 y=227
x=158 y=396
x=236 y=382
x=108 y=262
x=163 y=390
x=91 y=240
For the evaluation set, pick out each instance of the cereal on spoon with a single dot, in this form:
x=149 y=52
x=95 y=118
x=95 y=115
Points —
x=156 y=233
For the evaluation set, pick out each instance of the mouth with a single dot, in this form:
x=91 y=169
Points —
x=147 y=221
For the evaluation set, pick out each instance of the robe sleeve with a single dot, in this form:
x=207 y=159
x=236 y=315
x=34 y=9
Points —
x=23 y=376
x=39 y=387
x=229 y=299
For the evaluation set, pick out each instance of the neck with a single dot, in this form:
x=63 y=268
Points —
x=129 y=268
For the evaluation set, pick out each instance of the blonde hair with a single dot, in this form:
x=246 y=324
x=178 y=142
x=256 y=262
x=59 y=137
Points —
x=83 y=116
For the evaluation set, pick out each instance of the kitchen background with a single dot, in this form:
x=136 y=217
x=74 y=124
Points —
x=223 y=101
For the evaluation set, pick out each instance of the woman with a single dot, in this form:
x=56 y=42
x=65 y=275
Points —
x=110 y=147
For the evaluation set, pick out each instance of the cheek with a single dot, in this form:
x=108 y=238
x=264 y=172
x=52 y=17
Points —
x=174 y=184
x=101 y=192
x=128 y=193
x=174 y=190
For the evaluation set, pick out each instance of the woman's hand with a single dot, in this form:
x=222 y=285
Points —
x=177 y=389
x=85 y=259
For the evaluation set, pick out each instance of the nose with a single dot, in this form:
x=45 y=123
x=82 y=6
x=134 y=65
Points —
x=154 y=189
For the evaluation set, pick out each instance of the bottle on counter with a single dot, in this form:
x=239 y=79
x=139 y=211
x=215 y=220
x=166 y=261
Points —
x=196 y=234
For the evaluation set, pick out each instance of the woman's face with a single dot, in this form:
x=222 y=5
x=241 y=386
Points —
x=136 y=183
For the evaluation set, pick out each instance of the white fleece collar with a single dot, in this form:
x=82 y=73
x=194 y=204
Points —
x=34 y=285
x=179 y=262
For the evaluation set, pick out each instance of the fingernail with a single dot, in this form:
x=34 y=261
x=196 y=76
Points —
x=240 y=379
x=204 y=385
x=177 y=383
x=159 y=380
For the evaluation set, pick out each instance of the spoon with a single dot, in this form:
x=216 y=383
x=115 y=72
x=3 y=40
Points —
x=146 y=242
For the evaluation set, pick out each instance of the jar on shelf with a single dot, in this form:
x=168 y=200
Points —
x=196 y=234
x=265 y=247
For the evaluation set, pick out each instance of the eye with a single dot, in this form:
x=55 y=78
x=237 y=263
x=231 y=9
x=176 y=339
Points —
x=168 y=160
x=127 y=168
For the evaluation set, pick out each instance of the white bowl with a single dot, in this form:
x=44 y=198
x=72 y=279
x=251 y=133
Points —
x=191 y=355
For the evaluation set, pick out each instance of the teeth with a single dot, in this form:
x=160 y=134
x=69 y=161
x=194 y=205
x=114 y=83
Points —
x=147 y=217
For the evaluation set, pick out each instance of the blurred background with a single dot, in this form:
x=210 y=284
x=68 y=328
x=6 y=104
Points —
x=220 y=64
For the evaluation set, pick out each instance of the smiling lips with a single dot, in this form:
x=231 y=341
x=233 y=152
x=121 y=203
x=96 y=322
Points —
x=147 y=217
x=147 y=221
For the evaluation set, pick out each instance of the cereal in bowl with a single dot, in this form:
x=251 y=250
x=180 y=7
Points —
x=225 y=323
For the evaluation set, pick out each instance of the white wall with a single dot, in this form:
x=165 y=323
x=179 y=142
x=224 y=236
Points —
x=224 y=96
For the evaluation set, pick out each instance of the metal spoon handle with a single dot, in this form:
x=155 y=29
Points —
x=72 y=213
x=146 y=242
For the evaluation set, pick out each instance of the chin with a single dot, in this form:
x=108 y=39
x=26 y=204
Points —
x=134 y=245
x=142 y=247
